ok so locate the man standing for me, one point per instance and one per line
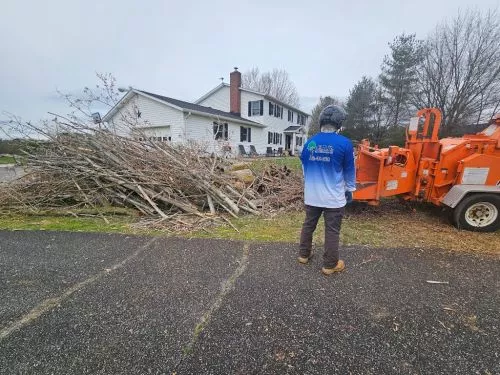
(329, 180)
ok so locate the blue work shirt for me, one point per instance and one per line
(328, 164)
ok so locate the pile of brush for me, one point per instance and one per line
(164, 182)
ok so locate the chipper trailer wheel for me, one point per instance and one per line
(478, 212)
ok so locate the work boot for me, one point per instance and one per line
(338, 268)
(304, 260)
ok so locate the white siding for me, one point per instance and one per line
(274, 124)
(168, 120)
(200, 131)
(218, 100)
(250, 97)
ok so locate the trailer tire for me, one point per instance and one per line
(478, 212)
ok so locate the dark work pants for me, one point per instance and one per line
(333, 221)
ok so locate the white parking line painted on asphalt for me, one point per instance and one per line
(50, 303)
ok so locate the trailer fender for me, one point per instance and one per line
(458, 192)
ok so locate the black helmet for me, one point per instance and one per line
(332, 115)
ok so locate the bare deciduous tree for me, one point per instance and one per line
(460, 70)
(276, 83)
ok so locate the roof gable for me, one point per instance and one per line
(211, 92)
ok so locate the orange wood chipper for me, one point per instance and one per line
(460, 173)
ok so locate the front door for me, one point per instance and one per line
(288, 142)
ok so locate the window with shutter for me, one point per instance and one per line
(221, 131)
(245, 134)
(279, 112)
(256, 108)
(271, 108)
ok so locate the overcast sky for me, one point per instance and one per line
(181, 48)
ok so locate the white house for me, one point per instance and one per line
(228, 117)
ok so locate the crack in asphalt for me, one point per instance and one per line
(227, 286)
(50, 303)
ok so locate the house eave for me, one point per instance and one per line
(232, 119)
(108, 116)
(287, 106)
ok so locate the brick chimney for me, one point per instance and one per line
(234, 92)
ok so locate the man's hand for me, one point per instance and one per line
(348, 196)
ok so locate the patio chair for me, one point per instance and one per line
(280, 151)
(269, 151)
(242, 150)
(253, 151)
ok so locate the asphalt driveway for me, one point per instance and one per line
(75, 303)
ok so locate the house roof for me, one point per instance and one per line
(294, 129)
(268, 97)
(184, 106)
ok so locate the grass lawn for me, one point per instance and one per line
(385, 226)
(390, 225)
(7, 160)
(66, 221)
(292, 162)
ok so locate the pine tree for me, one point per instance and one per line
(399, 75)
(361, 109)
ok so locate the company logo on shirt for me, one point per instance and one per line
(312, 146)
(316, 151)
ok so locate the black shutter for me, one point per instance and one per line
(281, 112)
(270, 108)
(249, 109)
(249, 132)
(261, 107)
(269, 136)
(242, 130)
(281, 139)
(298, 116)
